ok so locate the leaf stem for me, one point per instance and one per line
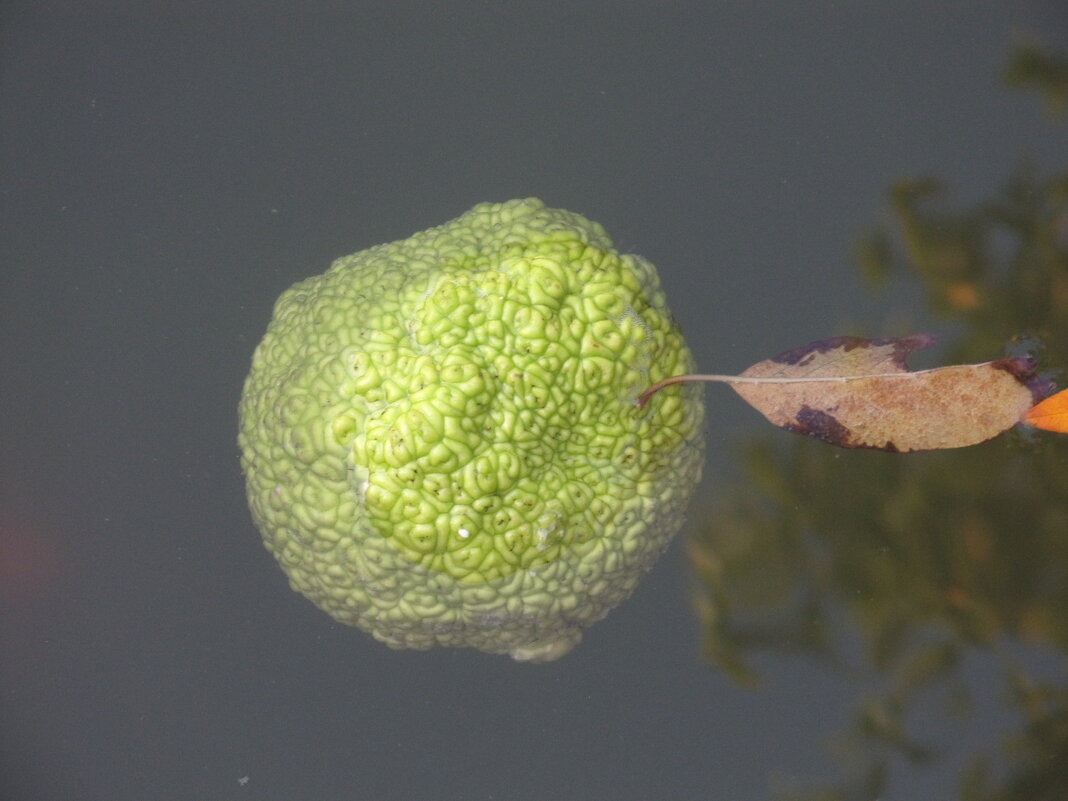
(741, 379)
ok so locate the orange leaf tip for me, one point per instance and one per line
(1051, 414)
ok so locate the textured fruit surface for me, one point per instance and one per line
(441, 439)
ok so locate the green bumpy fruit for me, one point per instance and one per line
(441, 438)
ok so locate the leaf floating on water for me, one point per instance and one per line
(1051, 414)
(859, 393)
(871, 400)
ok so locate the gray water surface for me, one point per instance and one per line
(167, 170)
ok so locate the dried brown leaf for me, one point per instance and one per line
(859, 393)
(871, 400)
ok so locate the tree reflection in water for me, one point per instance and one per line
(931, 557)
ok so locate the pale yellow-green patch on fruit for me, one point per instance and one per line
(441, 438)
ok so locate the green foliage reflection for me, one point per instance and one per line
(932, 557)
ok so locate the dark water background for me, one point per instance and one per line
(168, 169)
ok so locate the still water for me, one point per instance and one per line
(861, 625)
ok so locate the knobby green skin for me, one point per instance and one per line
(442, 441)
